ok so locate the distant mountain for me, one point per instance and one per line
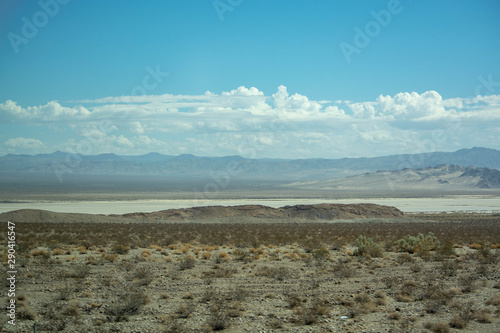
(187, 165)
(444, 177)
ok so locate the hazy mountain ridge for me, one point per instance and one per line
(190, 165)
(440, 176)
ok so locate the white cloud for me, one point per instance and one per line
(52, 111)
(243, 91)
(281, 124)
(24, 143)
(123, 141)
(136, 127)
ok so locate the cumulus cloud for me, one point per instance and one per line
(24, 143)
(403, 106)
(295, 103)
(52, 111)
(282, 124)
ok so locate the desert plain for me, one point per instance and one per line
(364, 268)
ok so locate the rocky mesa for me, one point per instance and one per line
(235, 214)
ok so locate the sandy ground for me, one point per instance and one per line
(296, 277)
(201, 288)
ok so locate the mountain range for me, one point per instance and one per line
(449, 177)
(60, 164)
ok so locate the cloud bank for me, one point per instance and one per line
(247, 122)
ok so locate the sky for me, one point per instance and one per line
(255, 78)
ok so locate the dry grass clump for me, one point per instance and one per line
(309, 315)
(219, 272)
(219, 318)
(493, 300)
(206, 255)
(223, 256)
(279, 273)
(437, 327)
(394, 315)
(120, 249)
(58, 251)
(72, 310)
(361, 304)
(129, 303)
(110, 257)
(483, 316)
(187, 262)
(23, 310)
(458, 322)
(185, 310)
(41, 253)
(155, 247)
(78, 272)
(143, 274)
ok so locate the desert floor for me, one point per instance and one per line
(259, 277)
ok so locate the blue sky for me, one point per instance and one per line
(283, 78)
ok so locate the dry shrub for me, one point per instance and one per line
(404, 258)
(391, 281)
(144, 275)
(256, 251)
(82, 249)
(304, 316)
(475, 246)
(308, 315)
(219, 272)
(238, 293)
(72, 310)
(380, 298)
(493, 300)
(437, 327)
(24, 312)
(206, 255)
(146, 253)
(110, 257)
(41, 253)
(458, 322)
(187, 262)
(58, 251)
(483, 316)
(223, 256)
(394, 315)
(275, 323)
(120, 249)
(279, 273)
(467, 282)
(79, 272)
(213, 248)
(130, 303)
(449, 268)
(185, 310)
(294, 300)
(155, 247)
(363, 304)
(344, 270)
(91, 260)
(219, 319)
